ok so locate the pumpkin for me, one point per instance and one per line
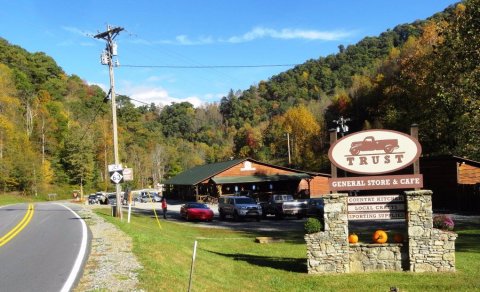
(353, 238)
(398, 238)
(380, 236)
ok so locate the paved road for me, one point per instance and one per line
(42, 247)
(265, 225)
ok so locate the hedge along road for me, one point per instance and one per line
(42, 247)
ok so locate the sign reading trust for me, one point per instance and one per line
(374, 152)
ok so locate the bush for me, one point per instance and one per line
(313, 225)
(444, 222)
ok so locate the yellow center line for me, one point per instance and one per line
(12, 233)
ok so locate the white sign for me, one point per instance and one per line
(127, 174)
(114, 167)
(375, 199)
(376, 216)
(375, 151)
(376, 207)
(116, 177)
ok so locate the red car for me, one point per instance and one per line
(196, 211)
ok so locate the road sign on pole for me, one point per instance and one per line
(127, 174)
(116, 177)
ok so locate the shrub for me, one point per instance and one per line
(313, 225)
(444, 222)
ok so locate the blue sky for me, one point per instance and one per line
(197, 33)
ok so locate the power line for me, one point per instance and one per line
(209, 66)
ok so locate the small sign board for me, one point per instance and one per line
(114, 167)
(380, 207)
(409, 181)
(127, 174)
(376, 216)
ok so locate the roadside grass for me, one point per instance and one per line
(230, 260)
(11, 198)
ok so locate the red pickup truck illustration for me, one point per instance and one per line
(370, 144)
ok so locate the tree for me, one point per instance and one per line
(77, 157)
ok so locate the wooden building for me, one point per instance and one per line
(455, 182)
(244, 176)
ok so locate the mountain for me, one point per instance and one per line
(55, 130)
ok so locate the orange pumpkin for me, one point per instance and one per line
(353, 238)
(398, 238)
(380, 236)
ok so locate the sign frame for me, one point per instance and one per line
(346, 154)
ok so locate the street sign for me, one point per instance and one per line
(114, 167)
(127, 174)
(116, 177)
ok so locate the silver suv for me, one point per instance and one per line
(239, 207)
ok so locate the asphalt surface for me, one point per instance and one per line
(46, 253)
(287, 224)
(269, 224)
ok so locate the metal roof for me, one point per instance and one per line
(200, 173)
(260, 178)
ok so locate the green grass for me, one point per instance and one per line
(7, 199)
(231, 261)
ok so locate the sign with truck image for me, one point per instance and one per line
(369, 144)
(374, 152)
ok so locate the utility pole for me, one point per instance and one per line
(342, 127)
(107, 59)
(288, 145)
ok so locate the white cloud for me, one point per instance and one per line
(262, 33)
(77, 31)
(288, 34)
(156, 95)
(184, 40)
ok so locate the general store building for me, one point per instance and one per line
(245, 176)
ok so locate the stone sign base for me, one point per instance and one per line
(426, 249)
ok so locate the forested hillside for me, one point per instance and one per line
(56, 130)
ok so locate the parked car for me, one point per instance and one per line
(92, 199)
(238, 207)
(315, 208)
(102, 197)
(282, 205)
(148, 196)
(196, 211)
(112, 198)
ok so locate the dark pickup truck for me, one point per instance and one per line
(282, 205)
(370, 144)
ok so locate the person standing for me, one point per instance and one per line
(164, 207)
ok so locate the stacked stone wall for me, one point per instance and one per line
(377, 257)
(327, 251)
(426, 250)
(430, 249)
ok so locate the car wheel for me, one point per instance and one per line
(222, 215)
(258, 218)
(235, 216)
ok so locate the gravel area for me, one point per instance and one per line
(111, 266)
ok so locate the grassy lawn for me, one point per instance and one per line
(7, 199)
(231, 261)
